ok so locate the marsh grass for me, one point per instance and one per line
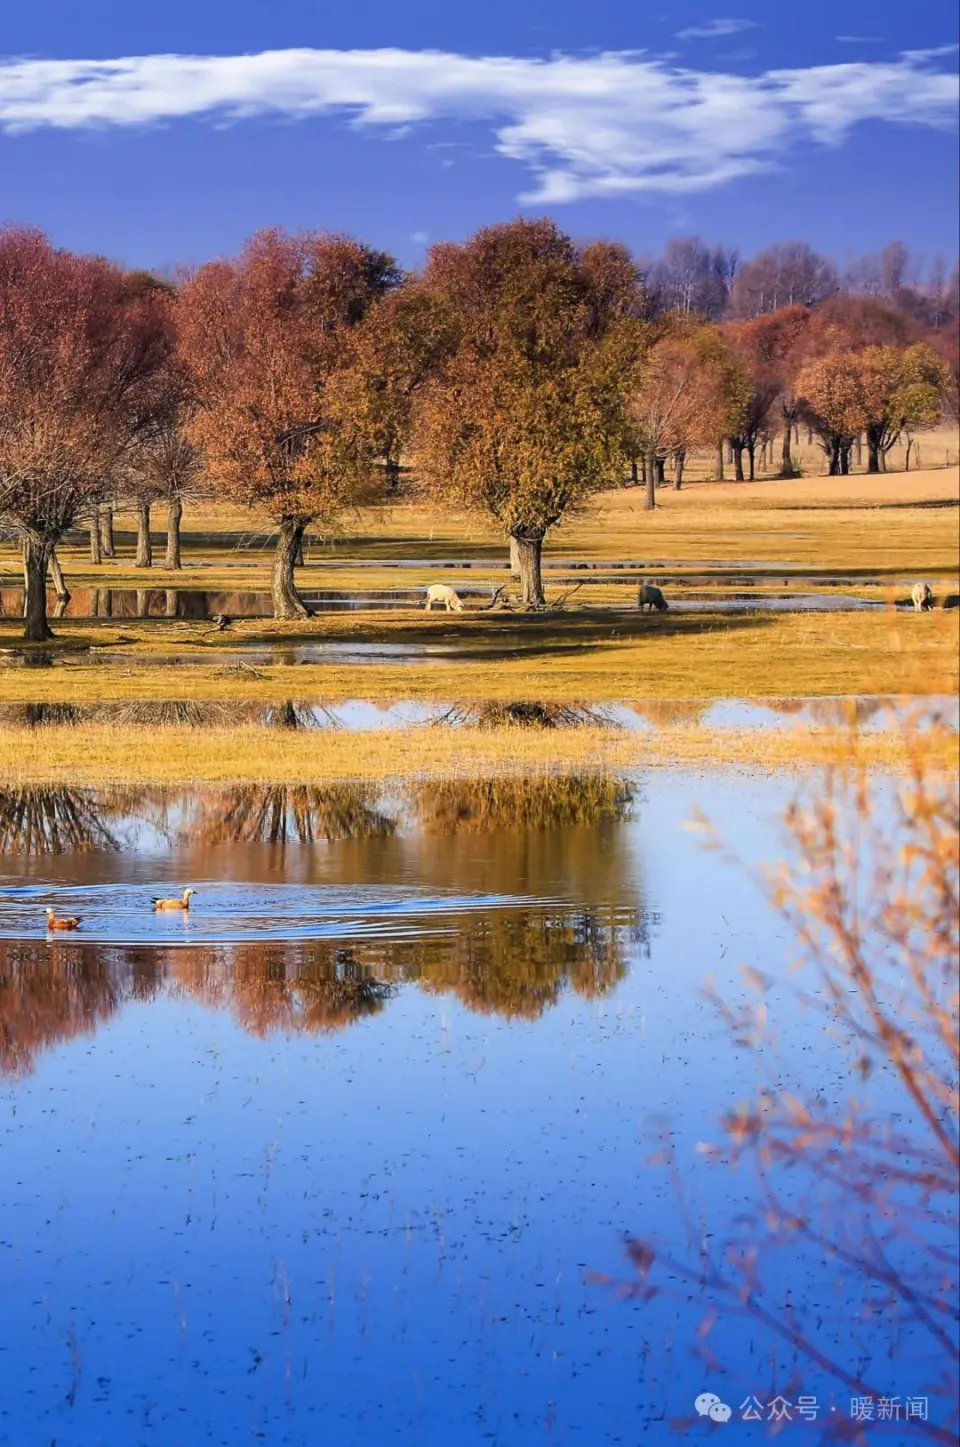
(103, 754)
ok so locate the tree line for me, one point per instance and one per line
(519, 371)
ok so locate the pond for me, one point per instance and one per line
(340, 1154)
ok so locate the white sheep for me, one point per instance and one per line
(922, 595)
(440, 593)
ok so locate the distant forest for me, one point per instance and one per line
(691, 277)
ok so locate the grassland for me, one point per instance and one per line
(876, 530)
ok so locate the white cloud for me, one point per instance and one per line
(714, 28)
(860, 39)
(615, 124)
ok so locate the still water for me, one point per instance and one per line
(340, 1155)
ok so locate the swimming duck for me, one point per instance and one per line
(69, 921)
(183, 903)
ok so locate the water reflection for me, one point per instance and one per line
(44, 820)
(451, 806)
(514, 963)
(282, 813)
(315, 905)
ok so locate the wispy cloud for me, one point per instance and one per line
(714, 28)
(860, 39)
(615, 124)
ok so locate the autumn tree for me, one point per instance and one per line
(902, 391)
(265, 340)
(518, 423)
(688, 389)
(394, 352)
(170, 468)
(762, 346)
(834, 404)
(945, 343)
(78, 358)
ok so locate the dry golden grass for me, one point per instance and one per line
(96, 754)
(593, 657)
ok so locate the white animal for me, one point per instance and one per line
(440, 593)
(922, 595)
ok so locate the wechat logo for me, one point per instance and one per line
(708, 1404)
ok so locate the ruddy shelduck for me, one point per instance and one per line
(183, 903)
(69, 921)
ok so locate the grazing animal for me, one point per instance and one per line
(183, 903)
(922, 596)
(69, 921)
(649, 596)
(440, 593)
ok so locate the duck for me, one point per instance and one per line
(183, 903)
(69, 921)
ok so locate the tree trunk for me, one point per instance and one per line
(393, 475)
(873, 450)
(634, 473)
(59, 581)
(287, 602)
(36, 559)
(786, 457)
(858, 450)
(844, 458)
(174, 514)
(106, 533)
(661, 465)
(906, 460)
(170, 603)
(752, 457)
(719, 474)
(834, 455)
(514, 558)
(143, 603)
(678, 462)
(96, 542)
(737, 451)
(529, 551)
(650, 478)
(144, 545)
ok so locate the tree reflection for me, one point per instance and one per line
(52, 993)
(663, 712)
(289, 813)
(512, 962)
(526, 714)
(519, 963)
(550, 801)
(42, 820)
(290, 988)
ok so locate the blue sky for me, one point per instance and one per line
(741, 121)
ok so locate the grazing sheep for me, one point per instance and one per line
(440, 593)
(649, 596)
(922, 596)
